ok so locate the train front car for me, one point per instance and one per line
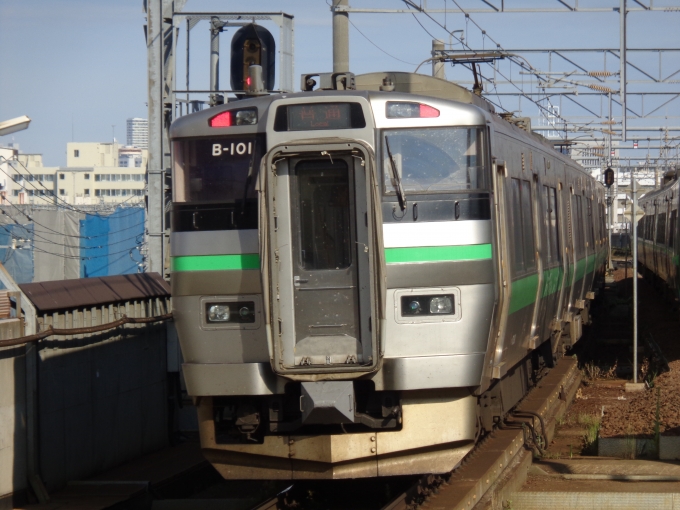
(346, 337)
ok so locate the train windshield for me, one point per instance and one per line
(435, 159)
(216, 170)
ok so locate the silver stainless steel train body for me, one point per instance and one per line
(659, 236)
(363, 280)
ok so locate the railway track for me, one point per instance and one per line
(496, 467)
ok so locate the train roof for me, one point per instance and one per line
(667, 187)
(372, 87)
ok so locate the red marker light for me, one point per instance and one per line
(408, 110)
(428, 111)
(221, 120)
(248, 81)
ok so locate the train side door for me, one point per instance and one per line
(570, 256)
(553, 271)
(321, 298)
(655, 235)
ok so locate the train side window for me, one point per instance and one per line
(528, 226)
(518, 243)
(661, 228)
(649, 230)
(640, 228)
(591, 225)
(550, 249)
(674, 226)
(553, 220)
(577, 215)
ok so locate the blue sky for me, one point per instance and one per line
(78, 67)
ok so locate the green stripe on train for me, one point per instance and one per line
(523, 292)
(216, 262)
(552, 281)
(437, 253)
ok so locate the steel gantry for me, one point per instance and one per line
(164, 20)
(640, 83)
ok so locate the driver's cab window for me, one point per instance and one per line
(434, 159)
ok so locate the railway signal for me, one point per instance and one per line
(252, 45)
(608, 177)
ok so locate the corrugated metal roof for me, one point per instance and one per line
(88, 292)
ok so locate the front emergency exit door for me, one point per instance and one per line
(321, 312)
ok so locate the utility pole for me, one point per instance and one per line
(438, 66)
(635, 279)
(160, 43)
(216, 27)
(340, 36)
(622, 56)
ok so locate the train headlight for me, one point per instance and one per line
(219, 313)
(234, 312)
(441, 305)
(427, 305)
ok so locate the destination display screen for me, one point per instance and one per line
(319, 116)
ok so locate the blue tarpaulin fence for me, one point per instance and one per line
(18, 257)
(110, 245)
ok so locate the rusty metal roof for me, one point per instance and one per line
(89, 292)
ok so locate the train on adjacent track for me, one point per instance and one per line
(658, 234)
(365, 276)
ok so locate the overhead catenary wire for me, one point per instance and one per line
(512, 58)
(374, 44)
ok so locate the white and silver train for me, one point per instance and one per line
(365, 279)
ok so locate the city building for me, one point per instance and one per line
(75, 186)
(132, 157)
(96, 174)
(138, 133)
(84, 154)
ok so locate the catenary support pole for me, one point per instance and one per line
(437, 67)
(622, 54)
(635, 280)
(340, 36)
(154, 236)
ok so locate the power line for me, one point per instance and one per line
(511, 58)
(78, 257)
(66, 205)
(366, 37)
(49, 241)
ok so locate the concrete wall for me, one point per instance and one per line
(102, 398)
(12, 417)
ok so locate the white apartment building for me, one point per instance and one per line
(92, 154)
(138, 133)
(88, 154)
(75, 186)
(132, 157)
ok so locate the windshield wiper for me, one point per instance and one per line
(397, 180)
(249, 179)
